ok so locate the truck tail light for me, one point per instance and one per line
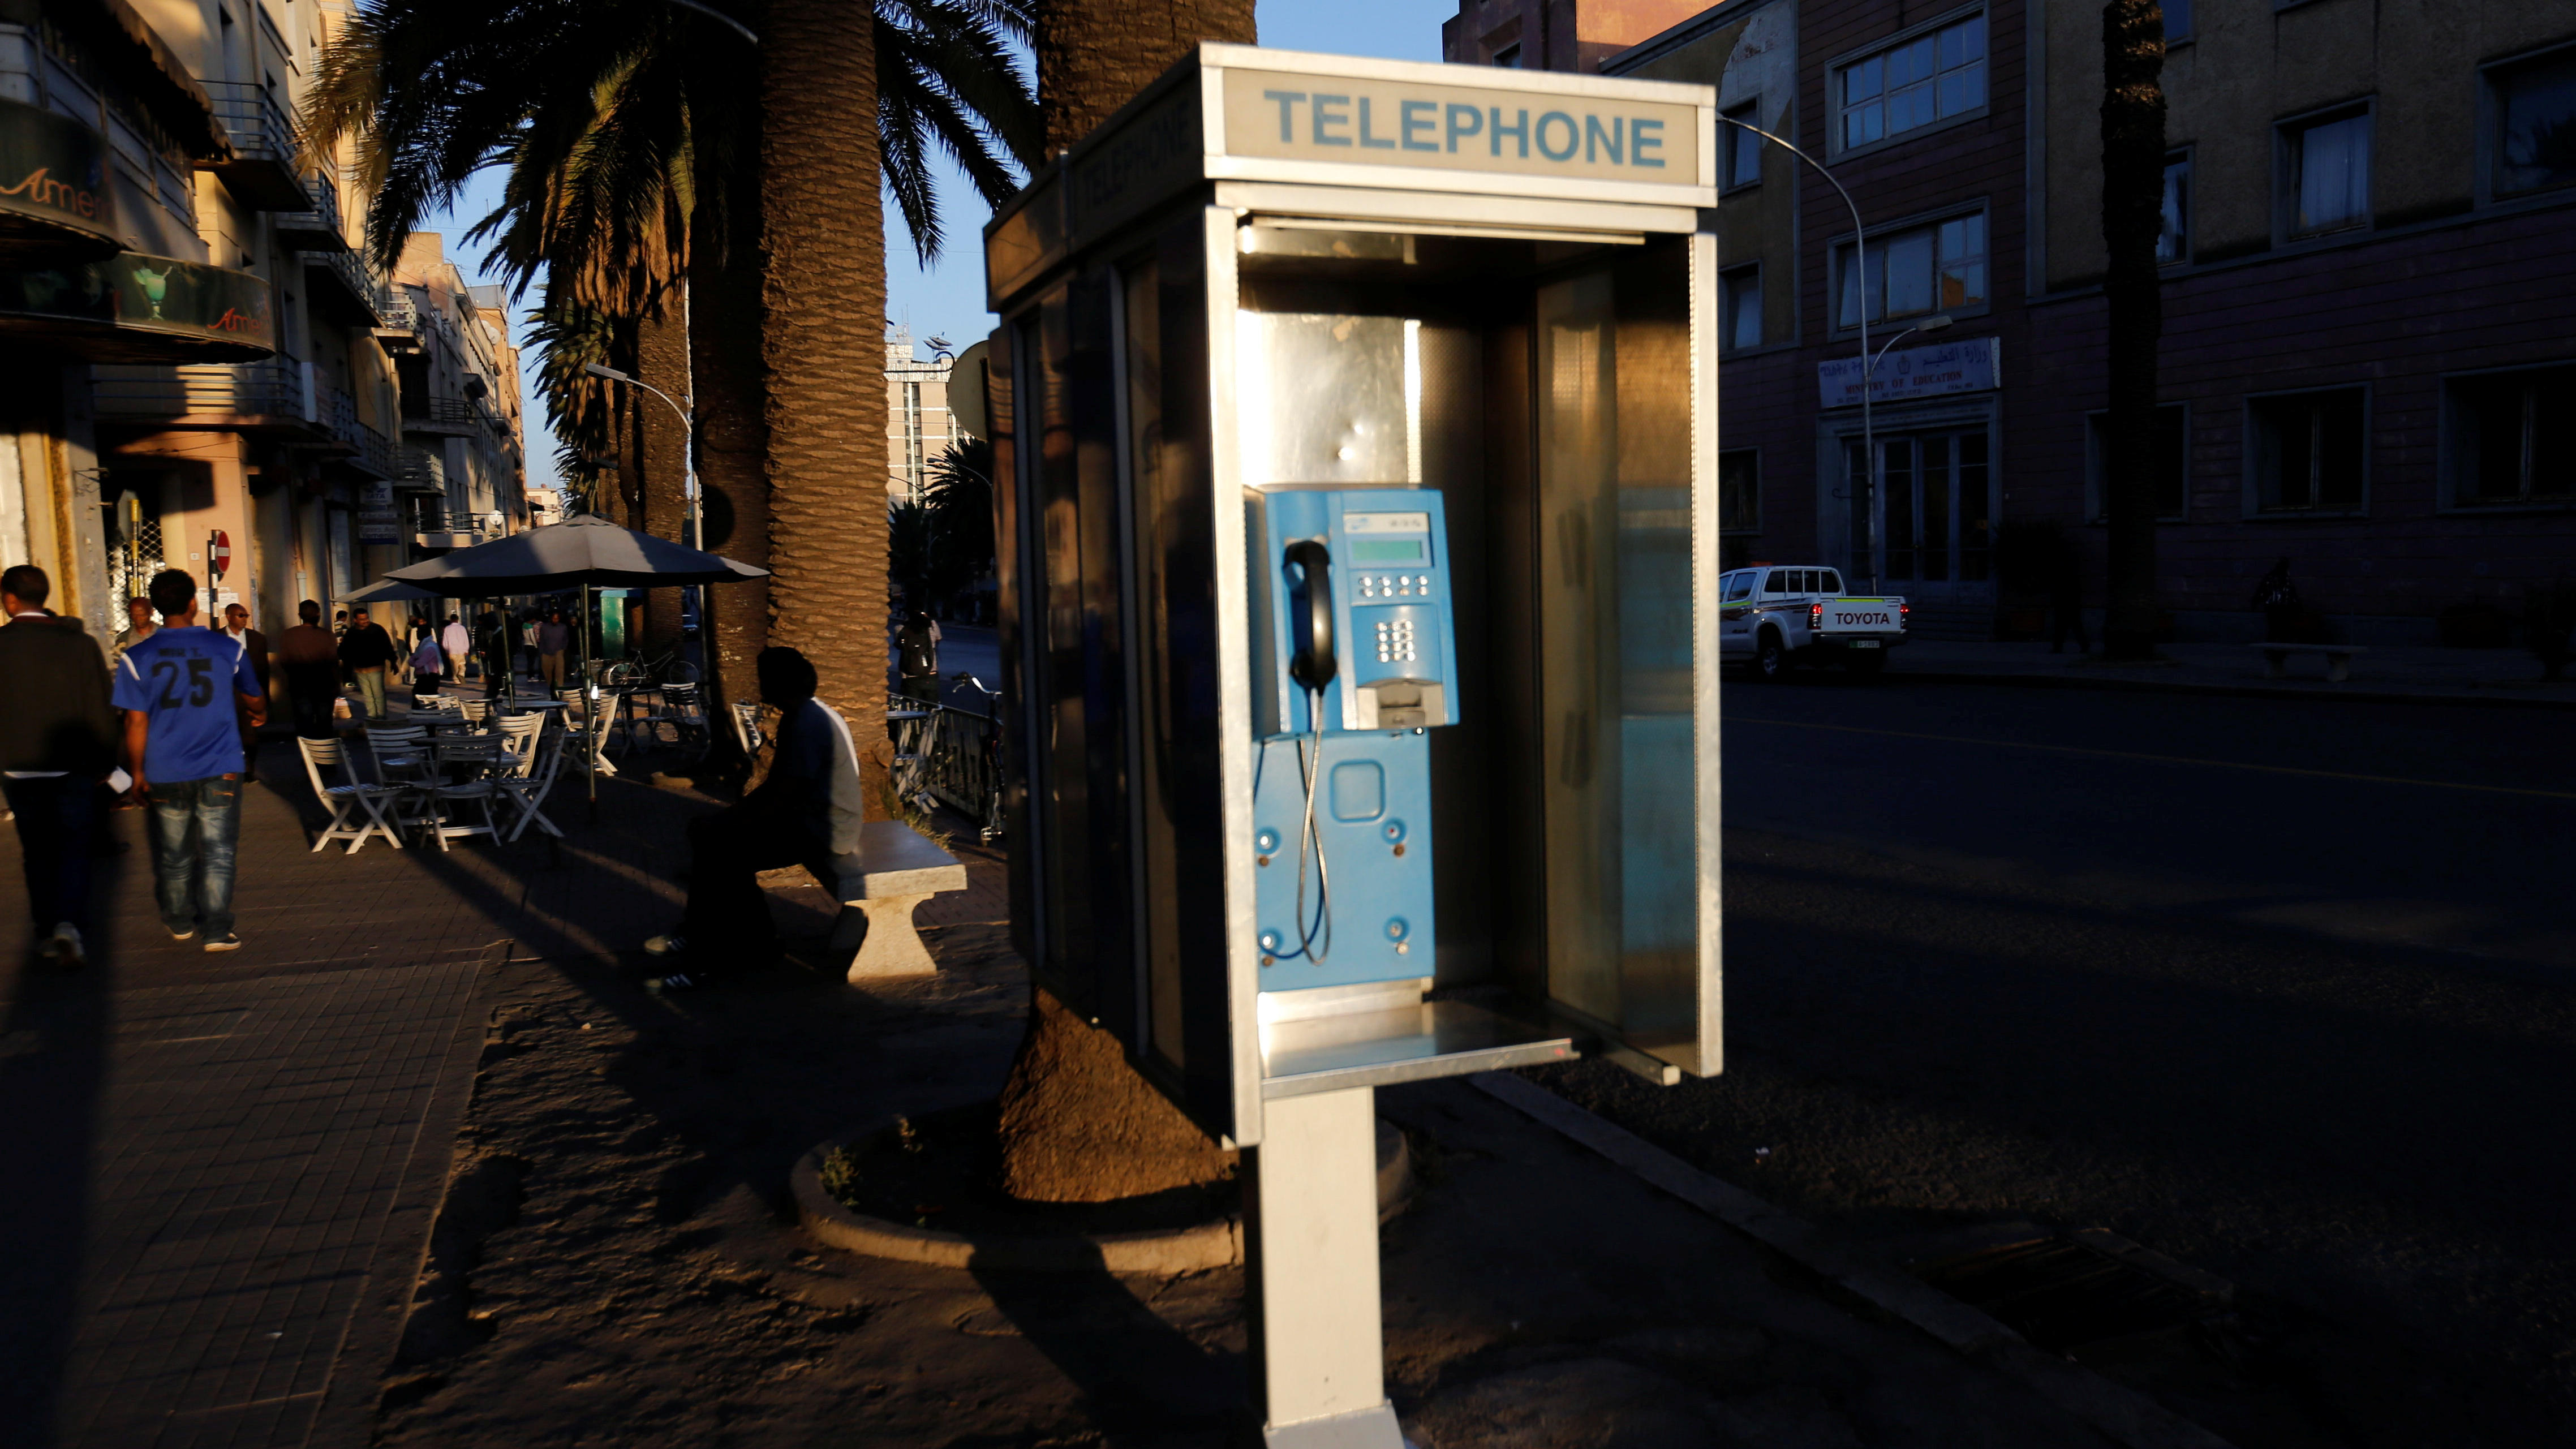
(1903, 613)
(1816, 617)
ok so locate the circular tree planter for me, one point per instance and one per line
(1048, 1248)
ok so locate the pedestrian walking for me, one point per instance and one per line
(57, 742)
(368, 651)
(917, 656)
(811, 804)
(553, 638)
(184, 751)
(311, 659)
(138, 627)
(255, 644)
(496, 655)
(427, 662)
(459, 648)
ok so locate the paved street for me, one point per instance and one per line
(2280, 988)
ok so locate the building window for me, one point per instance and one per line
(2177, 21)
(1743, 291)
(1509, 57)
(2173, 239)
(1743, 147)
(2325, 174)
(2173, 462)
(2310, 450)
(1936, 268)
(1739, 491)
(2513, 437)
(1914, 83)
(2535, 121)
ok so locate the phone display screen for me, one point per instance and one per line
(1386, 550)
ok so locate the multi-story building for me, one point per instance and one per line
(919, 426)
(202, 366)
(2369, 289)
(1574, 35)
(461, 474)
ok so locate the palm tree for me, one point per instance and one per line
(626, 130)
(2133, 189)
(1078, 1123)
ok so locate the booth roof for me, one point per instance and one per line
(584, 549)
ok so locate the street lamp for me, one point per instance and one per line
(1860, 265)
(689, 441)
(1937, 322)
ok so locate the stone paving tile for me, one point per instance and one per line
(224, 1135)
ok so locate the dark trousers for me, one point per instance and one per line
(727, 920)
(423, 682)
(313, 688)
(57, 819)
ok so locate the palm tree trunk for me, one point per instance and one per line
(733, 444)
(822, 341)
(1078, 1123)
(662, 361)
(1094, 58)
(2133, 169)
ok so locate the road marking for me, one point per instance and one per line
(2162, 759)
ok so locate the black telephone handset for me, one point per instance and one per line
(1314, 665)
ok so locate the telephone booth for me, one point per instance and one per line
(1357, 512)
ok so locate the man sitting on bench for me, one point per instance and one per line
(811, 803)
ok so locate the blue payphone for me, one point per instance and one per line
(1354, 661)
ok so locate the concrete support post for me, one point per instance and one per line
(1311, 1251)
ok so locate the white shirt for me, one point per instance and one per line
(454, 641)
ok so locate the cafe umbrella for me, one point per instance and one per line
(586, 552)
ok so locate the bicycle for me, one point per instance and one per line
(990, 825)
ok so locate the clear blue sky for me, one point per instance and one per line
(948, 298)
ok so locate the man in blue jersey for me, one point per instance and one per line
(179, 690)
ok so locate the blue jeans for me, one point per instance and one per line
(193, 825)
(56, 820)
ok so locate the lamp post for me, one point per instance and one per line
(1937, 322)
(1860, 265)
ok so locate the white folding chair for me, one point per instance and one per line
(352, 794)
(477, 753)
(519, 734)
(527, 793)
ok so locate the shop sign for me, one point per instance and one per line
(379, 525)
(54, 169)
(1975, 364)
(151, 294)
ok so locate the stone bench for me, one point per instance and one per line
(893, 870)
(2338, 658)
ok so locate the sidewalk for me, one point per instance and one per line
(2465, 676)
(424, 1165)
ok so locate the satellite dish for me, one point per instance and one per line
(967, 402)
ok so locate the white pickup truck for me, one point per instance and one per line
(1775, 617)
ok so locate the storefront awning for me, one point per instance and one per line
(54, 203)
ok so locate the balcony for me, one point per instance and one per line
(420, 470)
(342, 286)
(434, 527)
(55, 210)
(398, 323)
(454, 417)
(253, 397)
(362, 451)
(316, 229)
(262, 169)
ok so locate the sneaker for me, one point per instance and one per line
(225, 942)
(672, 944)
(181, 933)
(63, 947)
(676, 981)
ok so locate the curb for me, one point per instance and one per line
(2237, 691)
(2125, 1415)
(1217, 1244)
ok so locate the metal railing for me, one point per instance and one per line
(420, 467)
(960, 765)
(260, 128)
(323, 218)
(273, 388)
(340, 416)
(428, 519)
